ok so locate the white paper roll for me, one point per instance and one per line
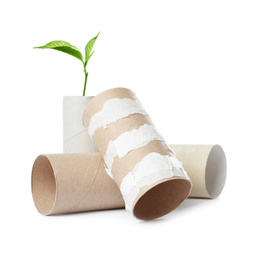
(75, 135)
(206, 166)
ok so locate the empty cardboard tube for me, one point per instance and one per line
(151, 179)
(206, 166)
(65, 183)
(75, 136)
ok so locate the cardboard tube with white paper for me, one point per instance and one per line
(151, 179)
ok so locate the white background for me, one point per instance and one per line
(189, 62)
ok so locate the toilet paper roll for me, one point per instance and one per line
(206, 166)
(64, 183)
(151, 180)
(75, 136)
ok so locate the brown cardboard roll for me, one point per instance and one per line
(206, 166)
(151, 179)
(64, 183)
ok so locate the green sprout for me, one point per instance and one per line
(74, 51)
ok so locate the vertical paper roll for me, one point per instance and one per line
(64, 183)
(206, 166)
(75, 136)
(152, 181)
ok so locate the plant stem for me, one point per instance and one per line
(85, 82)
(86, 77)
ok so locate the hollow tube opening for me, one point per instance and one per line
(43, 185)
(216, 171)
(162, 199)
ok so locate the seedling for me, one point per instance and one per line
(74, 51)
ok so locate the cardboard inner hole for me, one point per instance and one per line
(216, 171)
(162, 199)
(43, 185)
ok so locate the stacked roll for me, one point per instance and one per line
(141, 165)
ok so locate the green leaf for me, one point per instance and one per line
(63, 47)
(88, 49)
